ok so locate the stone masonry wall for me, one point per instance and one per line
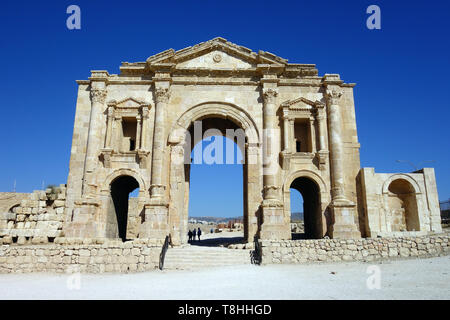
(37, 219)
(81, 255)
(333, 250)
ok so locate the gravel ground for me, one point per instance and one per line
(401, 279)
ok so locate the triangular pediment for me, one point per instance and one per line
(217, 53)
(127, 103)
(301, 103)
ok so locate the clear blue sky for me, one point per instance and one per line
(402, 73)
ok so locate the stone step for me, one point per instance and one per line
(191, 257)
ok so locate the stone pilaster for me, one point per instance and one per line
(292, 135)
(109, 127)
(156, 225)
(312, 133)
(159, 141)
(273, 224)
(336, 147)
(286, 132)
(344, 211)
(138, 132)
(94, 142)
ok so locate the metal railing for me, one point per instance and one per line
(164, 249)
(256, 254)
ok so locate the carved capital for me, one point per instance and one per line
(162, 95)
(145, 112)
(110, 112)
(98, 95)
(270, 95)
(333, 97)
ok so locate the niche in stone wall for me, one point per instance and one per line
(403, 206)
(129, 126)
(302, 136)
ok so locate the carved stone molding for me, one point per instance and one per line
(98, 95)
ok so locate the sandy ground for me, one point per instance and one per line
(402, 279)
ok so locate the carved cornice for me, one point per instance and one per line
(98, 95)
(162, 95)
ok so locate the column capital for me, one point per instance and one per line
(110, 112)
(333, 96)
(98, 95)
(270, 95)
(162, 95)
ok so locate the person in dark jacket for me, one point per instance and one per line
(190, 235)
(199, 233)
(194, 233)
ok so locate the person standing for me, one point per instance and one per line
(194, 233)
(190, 235)
(199, 233)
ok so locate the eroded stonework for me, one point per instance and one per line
(300, 132)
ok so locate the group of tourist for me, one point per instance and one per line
(192, 234)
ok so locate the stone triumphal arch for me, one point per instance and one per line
(136, 129)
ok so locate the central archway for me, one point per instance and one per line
(216, 118)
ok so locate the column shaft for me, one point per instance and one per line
(336, 147)
(162, 98)
(98, 96)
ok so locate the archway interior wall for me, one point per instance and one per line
(379, 202)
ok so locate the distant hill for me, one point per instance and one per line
(294, 216)
(216, 219)
(297, 216)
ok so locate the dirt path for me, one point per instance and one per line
(407, 279)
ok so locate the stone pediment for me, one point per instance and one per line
(217, 53)
(127, 103)
(219, 56)
(301, 104)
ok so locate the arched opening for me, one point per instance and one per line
(217, 191)
(403, 206)
(121, 189)
(312, 215)
(14, 208)
(297, 220)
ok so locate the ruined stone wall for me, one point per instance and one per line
(11, 199)
(333, 250)
(78, 255)
(37, 219)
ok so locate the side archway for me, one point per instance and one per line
(314, 191)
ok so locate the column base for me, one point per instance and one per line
(274, 226)
(344, 226)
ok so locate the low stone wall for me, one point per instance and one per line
(37, 218)
(333, 250)
(74, 256)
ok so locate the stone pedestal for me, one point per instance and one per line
(273, 226)
(344, 213)
(156, 225)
